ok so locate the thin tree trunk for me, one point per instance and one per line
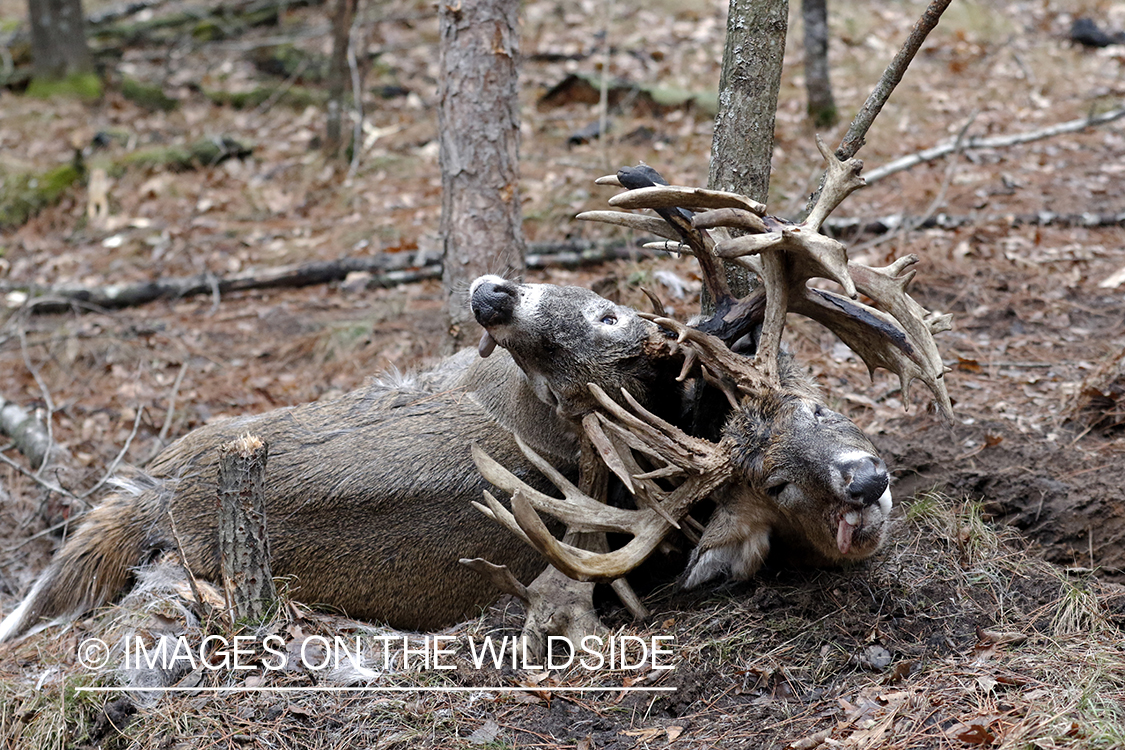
(748, 89)
(338, 74)
(58, 38)
(478, 123)
(243, 541)
(821, 105)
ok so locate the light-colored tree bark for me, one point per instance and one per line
(243, 536)
(748, 89)
(478, 123)
(58, 38)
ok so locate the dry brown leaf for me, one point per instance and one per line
(977, 734)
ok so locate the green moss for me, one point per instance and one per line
(24, 195)
(205, 152)
(146, 95)
(207, 30)
(823, 117)
(85, 86)
(288, 61)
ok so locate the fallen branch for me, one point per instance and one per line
(997, 141)
(387, 269)
(28, 434)
(891, 223)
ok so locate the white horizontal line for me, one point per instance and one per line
(374, 689)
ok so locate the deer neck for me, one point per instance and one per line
(499, 386)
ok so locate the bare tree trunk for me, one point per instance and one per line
(821, 106)
(478, 122)
(58, 38)
(338, 74)
(743, 142)
(243, 541)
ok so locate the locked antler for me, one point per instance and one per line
(895, 332)
(700, 464)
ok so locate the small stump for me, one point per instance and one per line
(243, 542)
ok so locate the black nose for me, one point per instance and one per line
(866, 480)
(493, 304)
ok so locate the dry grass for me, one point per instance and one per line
(954, 636)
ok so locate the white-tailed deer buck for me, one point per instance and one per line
(783, 469)
(368, 497)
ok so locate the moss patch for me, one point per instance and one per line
(147, 95)
(24, 195)
(84, 86)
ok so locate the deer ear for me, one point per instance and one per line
(733, 546)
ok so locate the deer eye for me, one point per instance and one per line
(774, 490)
(609, 319)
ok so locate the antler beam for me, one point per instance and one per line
(706, 465)
(896, 333)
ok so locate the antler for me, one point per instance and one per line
(704, 465)
(896, 333)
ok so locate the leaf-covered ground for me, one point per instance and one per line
(1039, 328)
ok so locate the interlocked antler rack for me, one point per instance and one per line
(893, 332)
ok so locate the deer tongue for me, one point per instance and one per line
(487, 345)
(849, 522)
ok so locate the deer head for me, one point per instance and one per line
(784, 466)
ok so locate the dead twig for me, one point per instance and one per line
(37, 479)
(117, 459)
(357, 101)
(996, 141)
(910, 225)
(856, 136)
(167, 427)
(199, 605)
(21, 331)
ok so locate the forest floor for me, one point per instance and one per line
(1038, 378)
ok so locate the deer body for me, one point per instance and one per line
(368, 497)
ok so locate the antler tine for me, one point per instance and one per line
(736, 218)
(647, 189)
(897, 334)
(708, 465)
(579, 511)
(712, 353)
(841, 179)
(691, 198)
(650, 224)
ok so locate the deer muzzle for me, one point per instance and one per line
(493, 301)
(868, 497)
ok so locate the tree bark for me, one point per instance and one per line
(748, 89)
(243, 541)
(338, 74)
(478, 125)
(58, 38)
(821, 104)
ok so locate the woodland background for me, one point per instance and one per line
(1024, 245)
